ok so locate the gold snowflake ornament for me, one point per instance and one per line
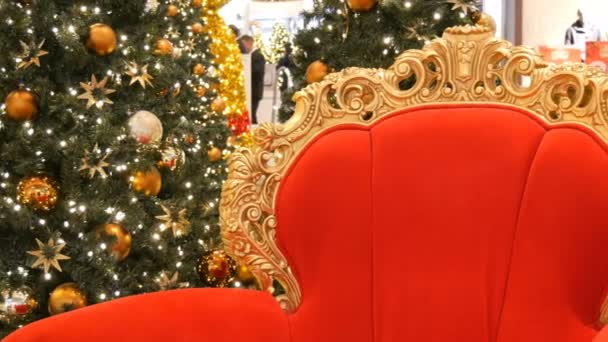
(189, 45)
(177, 222)
(96, 93)
(463, 5)
(48, 255)
(413, 32)
(139, 74)
(93, 164)
(30, 55)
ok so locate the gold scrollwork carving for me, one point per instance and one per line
(467, 65)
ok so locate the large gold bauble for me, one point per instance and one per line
(121, 247)
(218, 105)
(216, 268)
(316, 71)
(101, 39)
(148, 182)
(197, 28)
(198, 69)
(214, 154)
(201, 90)
(66, 297)
(21, 105)
(361, 5)
(163, 47)
(16, 304)
(38, 192)
(172, 10)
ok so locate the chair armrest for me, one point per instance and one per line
(219, 315)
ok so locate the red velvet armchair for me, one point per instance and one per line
(467, 204)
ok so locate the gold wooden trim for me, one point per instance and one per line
(467, 65)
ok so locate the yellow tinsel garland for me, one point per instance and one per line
(228, 59)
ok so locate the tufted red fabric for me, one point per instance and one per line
(453, 223)
(462, 222)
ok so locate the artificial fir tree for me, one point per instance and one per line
(110, 152)
(260, 42)
(366, 33)
(278, 39)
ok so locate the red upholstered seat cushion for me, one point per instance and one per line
(448, 223)
(218, 315)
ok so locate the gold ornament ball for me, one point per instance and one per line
(66, 297)
(122, 241)
(197, 3)
(218, 105)
(215, 4)
(197, 28)
(21, 105)
(214, 154)
(38, 192)
(484, 19)
(172, 11)
(244, 275)
(163, 47)
(361, 5)
(198, 69)
(316, 71)
(216, 268)
(148, 182)
(201, 91)
(189, 139)
(16, 304)
(101, 40)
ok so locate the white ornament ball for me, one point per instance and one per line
(146, 128)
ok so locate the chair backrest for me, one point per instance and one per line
(459, 195)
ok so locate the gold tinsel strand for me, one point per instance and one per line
(228, 59)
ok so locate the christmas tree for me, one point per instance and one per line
(111, 153)
(366, 33)
(278, 39)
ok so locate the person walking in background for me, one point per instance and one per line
(258, 65)
(237, 34)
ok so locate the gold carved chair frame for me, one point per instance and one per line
(467, 65)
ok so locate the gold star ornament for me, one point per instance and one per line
(189, 45)
(48, 255)
(30, 55)
(96, 93)
(166, 283)
(139, 74)
(176, 221)
(94, 162)
(464, 5)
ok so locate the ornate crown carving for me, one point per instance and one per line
(467, 65)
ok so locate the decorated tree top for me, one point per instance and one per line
(366, 33)
(278, 39)
(111, 152)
